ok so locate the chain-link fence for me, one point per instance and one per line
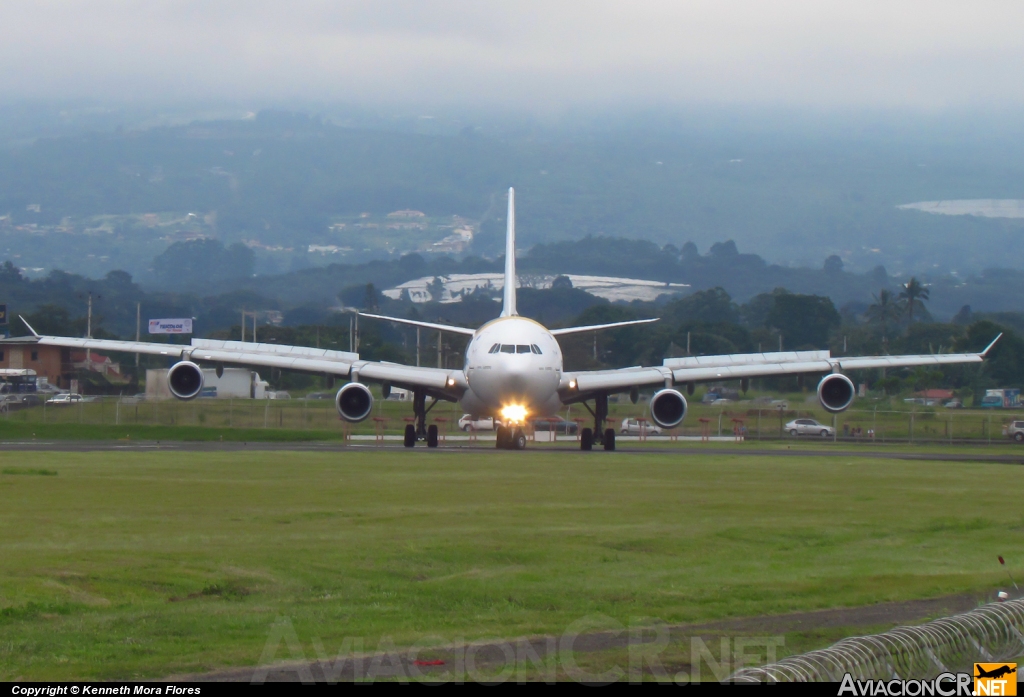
(987, 634)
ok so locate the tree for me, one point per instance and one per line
(883, 311)
(561, 282)
(436, 289)
(833, 264)
(804, 320)
(913, 295)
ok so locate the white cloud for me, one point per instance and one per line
(535, 54)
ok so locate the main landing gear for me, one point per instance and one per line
(511, 438)
(599, 435)
(420, 431)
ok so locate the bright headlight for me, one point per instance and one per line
(514, 413)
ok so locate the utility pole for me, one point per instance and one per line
(243, 326)
(417, 347)
(138, 329)
(351, 336)
(355, 316)
(780, 342)
(687, 344)
(439, 364)
(595, 346)
(254, 326)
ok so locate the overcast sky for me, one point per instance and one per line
(537, 54)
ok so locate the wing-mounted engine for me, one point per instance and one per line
(836, 392)
(668, 408)
(185, 380)
(354, 402)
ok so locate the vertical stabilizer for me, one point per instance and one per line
(508, 308)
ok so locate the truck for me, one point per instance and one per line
(1003, 398)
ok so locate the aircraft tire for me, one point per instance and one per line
(586, 439)
(609, 439)
(501, 441)
(519, 440)
(432, 436)
(410, 436)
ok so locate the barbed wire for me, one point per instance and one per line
(992, 633)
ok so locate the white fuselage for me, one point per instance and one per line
(525, 369)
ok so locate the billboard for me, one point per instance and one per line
(170, 326)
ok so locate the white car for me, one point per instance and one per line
(66, 398)
(468, 423)
(631, 427)
(808, 427)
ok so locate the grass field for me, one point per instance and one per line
(144, 565)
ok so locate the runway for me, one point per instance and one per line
(468, 448)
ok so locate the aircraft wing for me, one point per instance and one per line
(749, 365)
(301, 358)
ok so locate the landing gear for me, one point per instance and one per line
(420, 430)
(510, 439)
(599, 435)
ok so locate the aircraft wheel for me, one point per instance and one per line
(501, 442)
(587, 439)
(609, 439)
(410, 436)
(519, 440)
(432, 436)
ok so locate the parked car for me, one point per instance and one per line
(556, 424)
(468, 423)
(809, 427)
(65, 399)
(320, 395)
(1015, 430)
(954, 404)
(631, 427)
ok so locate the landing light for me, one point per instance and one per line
(572, 384)
(451, 382)
(514, 413)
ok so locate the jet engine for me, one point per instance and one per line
(185, 380)
(668, 407)
(836, 392)
(354, 402)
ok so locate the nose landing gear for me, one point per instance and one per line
(510, 438)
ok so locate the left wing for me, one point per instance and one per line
(437, 382)
(748, 365)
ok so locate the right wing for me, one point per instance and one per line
(676, 371)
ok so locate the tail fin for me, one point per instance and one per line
(508, 308)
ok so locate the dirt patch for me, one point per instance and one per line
(422, 664)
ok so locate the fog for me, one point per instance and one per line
(541, 56)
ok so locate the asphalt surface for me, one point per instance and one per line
(479, 448)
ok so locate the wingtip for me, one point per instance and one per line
(34, 332)
(989, 347)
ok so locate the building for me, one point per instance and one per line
(51, 362)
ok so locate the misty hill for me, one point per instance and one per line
(279, 182)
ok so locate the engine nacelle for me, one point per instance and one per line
(185, 380)
(836, 392)
(354, 402)
(668, 408)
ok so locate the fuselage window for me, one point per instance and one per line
(523, 348)
(508, 348)
(535, 348)
(494, 349)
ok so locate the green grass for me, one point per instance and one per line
(16, 431)
(143, 565)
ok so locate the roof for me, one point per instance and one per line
(936, 394)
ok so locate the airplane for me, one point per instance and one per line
(513, 370)
(995, 672)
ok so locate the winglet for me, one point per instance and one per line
(35, 333)
(989, 347)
